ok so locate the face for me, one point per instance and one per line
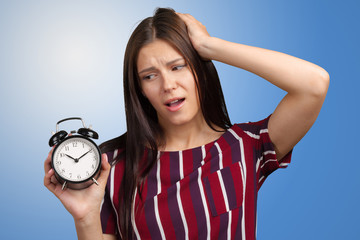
(168, 83)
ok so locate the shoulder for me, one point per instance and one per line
(252, 129)
(114, 149)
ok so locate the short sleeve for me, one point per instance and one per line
(107, 215)
(265, 155)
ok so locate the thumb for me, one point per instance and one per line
(105, 170)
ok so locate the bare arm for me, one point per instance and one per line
(305, 83)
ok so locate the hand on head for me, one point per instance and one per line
(198, 34)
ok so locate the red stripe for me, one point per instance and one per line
(217, 193)
(110, 225)
(165, 171)
(187, 162)
(234, 221)
(118, 176)
(163, 206)
(165, 217)
(140, 219)
(251, 192)
(188, 207)
(238, 184)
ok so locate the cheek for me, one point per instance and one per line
(151, 93)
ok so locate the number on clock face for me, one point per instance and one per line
(76, 159)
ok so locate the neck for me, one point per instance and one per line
(189, 135)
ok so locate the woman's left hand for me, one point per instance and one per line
(198, 35)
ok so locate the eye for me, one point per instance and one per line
(148, 77)
(178, 67)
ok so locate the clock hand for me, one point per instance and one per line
(71, 157)
(83, 155)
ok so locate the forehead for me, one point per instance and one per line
(155, 53)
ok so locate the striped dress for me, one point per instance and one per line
(208, 192)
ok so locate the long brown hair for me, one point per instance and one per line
(141, 118)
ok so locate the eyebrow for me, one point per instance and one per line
(167, 64)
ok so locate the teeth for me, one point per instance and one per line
(174, 101)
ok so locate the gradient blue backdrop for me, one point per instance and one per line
(64, 58)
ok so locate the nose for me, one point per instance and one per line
(169, 82)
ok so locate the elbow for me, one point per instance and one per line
(320, 83)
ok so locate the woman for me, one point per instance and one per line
(183, 170)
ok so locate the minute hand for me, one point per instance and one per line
(83, 154)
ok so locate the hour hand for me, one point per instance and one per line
(72, 158)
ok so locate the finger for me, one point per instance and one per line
(187, 18)
(47, 165)
(48, 182)
(105, 170)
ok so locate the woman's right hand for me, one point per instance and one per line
(198, 35)
(81, 204)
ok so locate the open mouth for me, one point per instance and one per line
(175, 103)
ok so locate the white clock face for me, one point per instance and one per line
(76, 159)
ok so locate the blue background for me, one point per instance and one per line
(64, 58)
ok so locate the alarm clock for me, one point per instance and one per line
(76, 159)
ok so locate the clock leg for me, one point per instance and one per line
(95, 181)
(64, 186)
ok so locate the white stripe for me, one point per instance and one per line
(102, 203)
(243, 170)
(133, 217)
(270, 160)
(221, 165)
(203, 154)
(256, 225)
(261, 179)
(181, 210)
(156, 207)
(265, 130)
(158, 174)
(252, 135)
(269, 152)
(112, 172)
(229, 226)
(242, 165)
(258, 163)
(158, 217)
(261, 158)
(223, 190)
(206, 208)
(283, 164)
(244, 188)
(115, 153)
(181, 170)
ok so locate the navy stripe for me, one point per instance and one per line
(174, 167)
(224, 221)
(198, 206)
(197, 158)
(152, 183)
(208, 193)
(229, 187)
(105, 211)
(238, 232)
(235, 147)
(151, 219)
(229, 138)
(175, 213)
(214, 163)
